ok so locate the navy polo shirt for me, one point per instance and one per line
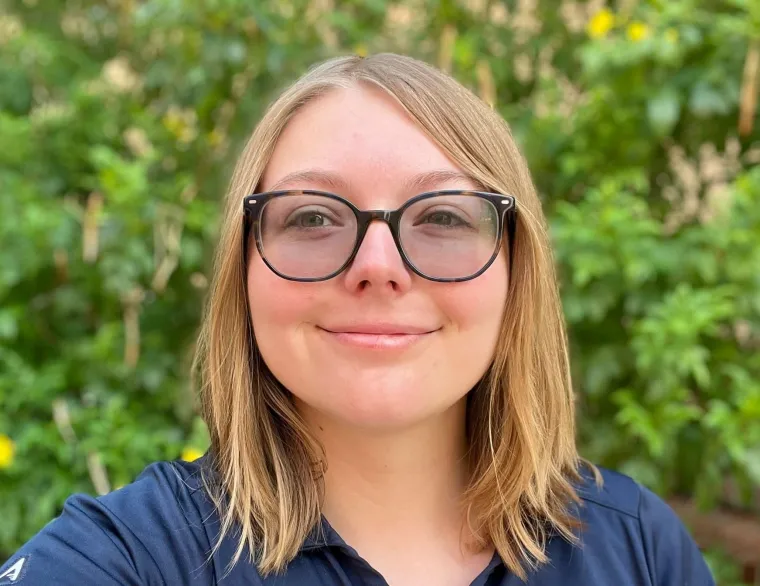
(160, 529)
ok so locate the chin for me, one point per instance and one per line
(381, 418)
(378, 403)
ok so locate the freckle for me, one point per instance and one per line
(321, 428)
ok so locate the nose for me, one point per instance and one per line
(378, 265)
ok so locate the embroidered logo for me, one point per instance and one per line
(14, 572)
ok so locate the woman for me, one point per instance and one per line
(384, 374)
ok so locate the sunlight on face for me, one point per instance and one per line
(377, 346)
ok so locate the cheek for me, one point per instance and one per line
(476, 310)
(280, 311)
(274, 299)
(476, 307)
(277, 306)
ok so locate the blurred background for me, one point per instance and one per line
(119, 124)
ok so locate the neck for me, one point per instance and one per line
(389, 484)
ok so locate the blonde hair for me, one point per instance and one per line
(268, 468)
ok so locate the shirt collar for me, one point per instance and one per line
(322, 535)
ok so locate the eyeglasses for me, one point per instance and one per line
(444, 236)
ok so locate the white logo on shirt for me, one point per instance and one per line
(13, 573)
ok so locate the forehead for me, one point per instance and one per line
(359, 141)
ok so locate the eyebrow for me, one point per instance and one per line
(425, 181)
(324, 178)
(432, 179)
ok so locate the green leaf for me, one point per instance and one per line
(663, 110)
(705, 101)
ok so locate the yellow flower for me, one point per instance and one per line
(215, 138)
(671, 35)
(600, 24)
(181, 123)
(190, 454)
(174, 123)
(361, 50)
(637, 31)
(7, 449)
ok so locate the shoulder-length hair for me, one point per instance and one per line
(267, 480)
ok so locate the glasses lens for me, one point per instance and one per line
(450, 236)
(307, 236)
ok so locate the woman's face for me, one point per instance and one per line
(377, 346)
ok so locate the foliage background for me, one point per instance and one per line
(119, 123)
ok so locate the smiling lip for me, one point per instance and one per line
(378, 336)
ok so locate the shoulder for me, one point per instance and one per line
(154, 530)
(163, 515)
(621, 513)
(618, 495)
(163, 492)
(615, 492)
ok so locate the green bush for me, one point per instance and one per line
(119, 123)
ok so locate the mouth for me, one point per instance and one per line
(378, 336)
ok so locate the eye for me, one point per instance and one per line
(309, 219)
(441, 218)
